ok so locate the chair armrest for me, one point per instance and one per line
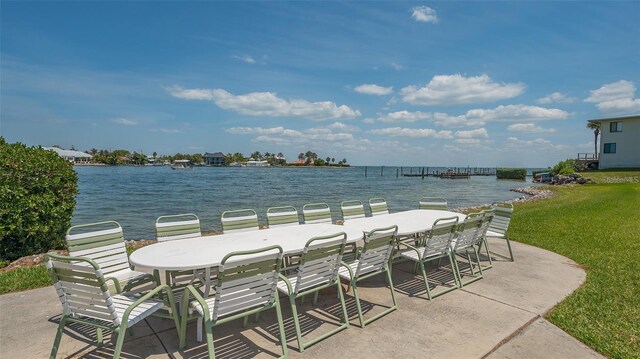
(144, 298)
(348, 268)
(287, 282)
(116, 284)
(412, 248)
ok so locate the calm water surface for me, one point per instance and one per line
(136, 196)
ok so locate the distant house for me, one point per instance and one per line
(214, 159)
(619, 142)
(75, 157)
(255, 163)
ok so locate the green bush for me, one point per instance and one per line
(37, 199)
(511, 173)
(566, 167)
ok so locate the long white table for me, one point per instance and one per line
(208, 251)
(408, 222)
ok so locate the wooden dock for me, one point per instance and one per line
(450, 173)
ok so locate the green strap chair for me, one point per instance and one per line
(282, 216)
(246, 285)
(316, 213)
(438, 203)
(178, 227)
(378, 206)
(487, 219)
(86, 299)
(374, 259)
(319, 266)
(467, 240)
(241, 220)
(436, 246)
(103, 243)
(352, 210)
(500, 224)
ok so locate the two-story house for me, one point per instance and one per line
(619, 142)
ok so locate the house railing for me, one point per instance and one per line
(587, 156)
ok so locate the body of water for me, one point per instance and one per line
(136, 196)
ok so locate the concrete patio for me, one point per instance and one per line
(499, 316)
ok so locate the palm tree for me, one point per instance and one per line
(333, 160)
(595, 126)
(344, 161)
(326, 160)
(155, 154)
(301, 156)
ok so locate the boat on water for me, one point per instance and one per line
(181, 165)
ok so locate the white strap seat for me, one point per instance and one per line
(413, 255)
(282, 285)
(344, 272)
(491, 233)
(122, 301)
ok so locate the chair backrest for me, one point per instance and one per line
(179, 226)
(378, 246)
(468, 231)
(440, 237)
(247, 280)
(352, 210)
(316, 213)
(282, 216)
(487, 219)
(241, 220)
(81, 288)
(102, 242)
(433, 203)
(378, 206)
(320, 261)
(502, 212)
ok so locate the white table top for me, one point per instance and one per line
(408, 222)
(208, 251)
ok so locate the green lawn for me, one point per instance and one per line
(614, 176)
(598, 226)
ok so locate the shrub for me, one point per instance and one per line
(565, 167)
(511, 173)
(37, 199)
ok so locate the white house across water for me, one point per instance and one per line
(619, 142)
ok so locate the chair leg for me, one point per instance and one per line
(344, 305)
(283, 338)
(56, 341)
(296, 322)
(99, 338)
(121, 333)
(393, 295)
(453, 269)
(509, 246)
(426, 281)
(315, 297)
(358, 307)
(208, 329)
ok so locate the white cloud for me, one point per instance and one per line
(343, 127)
(293, 136)
(424, 14)
(616, 97)
(412, 132)
(478, 132)
(372, 89)
(457, 89)
(540, 144)
(368, 121)
(165, 130)
(125, 121)
(267, 104)
(468, 141)
(517, 112)
(556, 97)
(529, 128)
(246, 58)
(478, 117)
(397, 66)
(404, 116)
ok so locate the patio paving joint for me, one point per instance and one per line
(499, 301)
(512, 335)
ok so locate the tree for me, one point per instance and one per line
(344, 161)
(326, 160)
(595, 126)
(256, 155)
(155, 154)
(333, 160)
(37, 199)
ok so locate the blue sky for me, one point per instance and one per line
(394, 83)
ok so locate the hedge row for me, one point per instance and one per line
(511, 173)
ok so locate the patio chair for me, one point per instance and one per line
(316, 213)
(103, 243)
(467, 239)
(318, 270)
(487, 219)
(352, 210)
(500, 224)
(378, 206)
(372, 260)
(282, 216)
(241, 220)
(438, 203)
(86, 299)
(177, 227)
(246, 285)
(435, 246)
